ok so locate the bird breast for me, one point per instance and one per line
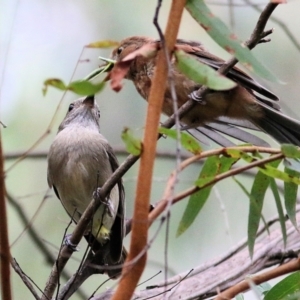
(81, 165)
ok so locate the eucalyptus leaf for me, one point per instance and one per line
(286, 288)
(213, 166)
(290, 195)
(186, 140)
(133, 145)
(80, 87)
(225, 38)
(201, 73)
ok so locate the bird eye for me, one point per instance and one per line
(119, 51)
(98, 113)
(71, 106)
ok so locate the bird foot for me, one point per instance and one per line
(69, 244)
(194, 96)
(107, 202)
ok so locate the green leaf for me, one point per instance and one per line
(254, 216)
(290, 196)
(201, 182)
(80, 87)
(57, 83)
(292, 163)
(286, 288)
(198, 199)
(279, 209)
(201, 73)
(222, 35)
(132, 144)
(213, 165)
(186, 140)
(273, 172)
(103, 44)
(290, 151)
(102, 69)
(85, 88)
(258, 190)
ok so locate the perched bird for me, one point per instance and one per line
(248, 105)
(80, 161)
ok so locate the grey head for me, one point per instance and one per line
(82, 112)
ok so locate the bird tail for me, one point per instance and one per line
(114, 269)
(105, 258)
(281, 127)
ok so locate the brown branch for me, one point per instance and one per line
(24, 278)
(231, 268)
(49, 257)
(243, 286)
(4, 243)
(156, 97)
(256, 6)
(160, 207)
(117, 150)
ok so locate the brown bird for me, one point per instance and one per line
(248, 105)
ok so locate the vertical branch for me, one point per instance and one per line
(140, 224)
(4, 244)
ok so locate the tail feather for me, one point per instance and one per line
(282, 128)
(104, 257)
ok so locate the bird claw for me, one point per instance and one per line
(108, 203)
(109, 207)
(69, 244)
(194, 96)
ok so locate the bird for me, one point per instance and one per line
(249, 105)
(80, 161)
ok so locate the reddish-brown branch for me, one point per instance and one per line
(139, 229)
(243, 286)
(162, 204)
(4, 244)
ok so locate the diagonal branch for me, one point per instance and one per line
(156, 97)
(230, 269)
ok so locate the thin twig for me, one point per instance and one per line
(24, 278)
(283, 25)
(166, 154)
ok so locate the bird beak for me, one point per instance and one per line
(104, 68)
(89, 101)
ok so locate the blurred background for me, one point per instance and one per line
(45, 39)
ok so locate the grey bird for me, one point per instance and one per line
(80, 161)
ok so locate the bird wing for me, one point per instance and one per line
(235, 73)
(118, 228)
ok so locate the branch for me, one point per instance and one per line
(160, 207)
(49, 257)
(117, 151)
(24, 278)
(256, 6)
(142, 200)
(230, 269)
(4, 243)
